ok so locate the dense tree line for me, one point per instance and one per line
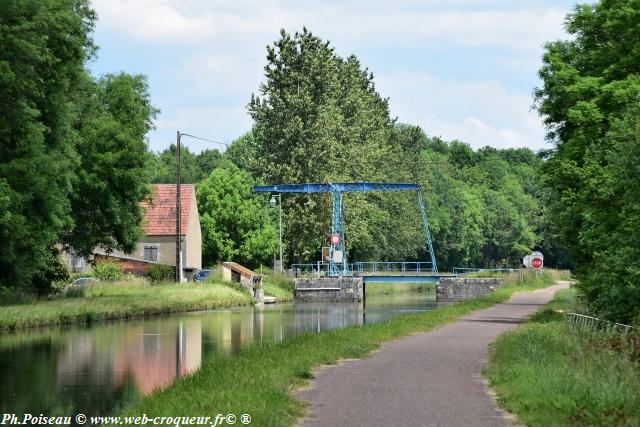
(318, 118)
(590, 100)
(75, 163)
(72, 147)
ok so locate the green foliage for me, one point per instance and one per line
(234, 220)
(193, 167)
(115, 114)
(52, 276)
(158, 273)
(318, 118)
(242, 151)
(108, 271)
(72, 147)
(43, 48)
(590, 102)
(550, 374)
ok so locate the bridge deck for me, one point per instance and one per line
(402, 278)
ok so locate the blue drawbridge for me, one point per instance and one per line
(337, 263)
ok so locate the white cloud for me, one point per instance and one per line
(165, 21)
(217, 55)
(478, 113)
(152, 20)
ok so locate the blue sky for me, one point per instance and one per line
(460, 69)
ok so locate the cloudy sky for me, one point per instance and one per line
(460, 69)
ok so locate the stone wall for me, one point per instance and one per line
(330, 289)
(462, 289)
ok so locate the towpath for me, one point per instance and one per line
(428, 379)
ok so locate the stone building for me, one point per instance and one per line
(158, 245)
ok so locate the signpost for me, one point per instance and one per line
(534, 260)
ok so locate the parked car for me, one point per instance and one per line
(77, 287)
(201, 275)
(83, 281)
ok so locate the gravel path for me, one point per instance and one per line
(429, 379)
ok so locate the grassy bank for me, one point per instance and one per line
(259, 379)
(274, 284)
(279, 286)
(549, 373)
(104, 301)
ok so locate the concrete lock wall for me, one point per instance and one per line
(329, 289)
(462, 289)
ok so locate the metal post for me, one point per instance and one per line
(425, 229)
(280, 204)
(178, 211)
(337, 227)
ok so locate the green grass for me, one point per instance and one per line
(379, 289)
(549, 373)
(259, 379)
(275, 284)
(102, 301)
(556, 274)
(279, 286)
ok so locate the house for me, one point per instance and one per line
(158, 245)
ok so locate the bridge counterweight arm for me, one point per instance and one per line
(339, 186)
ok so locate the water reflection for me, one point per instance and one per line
(97, 369)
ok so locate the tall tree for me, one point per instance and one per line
(193, 167)
(235, 222)
(72, 148)
(318, 119)
(43, 48)
(115, 114)
(589, 100)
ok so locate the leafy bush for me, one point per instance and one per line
(161, 273)
(10, 296)
(108, 271)
(280, 280)
(51, 277)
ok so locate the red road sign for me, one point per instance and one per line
(335, 239)
(536, 262)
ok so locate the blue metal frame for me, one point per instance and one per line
(337, 222)
(427, 233)
(337, 227)
(401, 279)
(338, 186)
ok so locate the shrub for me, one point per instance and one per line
(108, 271)
(280, 280)
(161, 273)
(50, 278)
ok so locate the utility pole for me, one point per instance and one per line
(178, 201)
(178, 214)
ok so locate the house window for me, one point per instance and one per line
(150, 253)
(77, 263)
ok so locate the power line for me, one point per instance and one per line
(204, 139)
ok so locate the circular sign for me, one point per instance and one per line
(536, 262)
(335, 239)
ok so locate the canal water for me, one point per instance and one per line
(97, 369)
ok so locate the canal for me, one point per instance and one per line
(97, 369)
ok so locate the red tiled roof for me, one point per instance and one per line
(160, 213)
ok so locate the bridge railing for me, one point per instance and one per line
(469, 270)
(320, 269)
(391, 267)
